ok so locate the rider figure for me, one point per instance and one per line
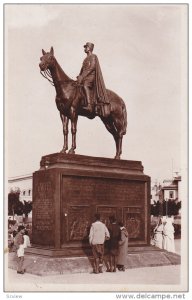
(91, 78)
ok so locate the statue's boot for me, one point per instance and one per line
(89, 106)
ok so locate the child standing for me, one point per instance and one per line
(19, 244)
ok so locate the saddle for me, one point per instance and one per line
(99, 108)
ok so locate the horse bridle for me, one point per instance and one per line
(47, 75)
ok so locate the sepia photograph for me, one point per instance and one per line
(96, 148)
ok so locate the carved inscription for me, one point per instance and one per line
(44, 208)
(79, 223)
(102, 191)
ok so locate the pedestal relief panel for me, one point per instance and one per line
(133, 222)
(78, 222)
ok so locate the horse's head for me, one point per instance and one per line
(47, 60)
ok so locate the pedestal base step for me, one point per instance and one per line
(136, 258)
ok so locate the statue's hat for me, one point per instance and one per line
(90, 45)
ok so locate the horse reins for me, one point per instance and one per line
(47, 75)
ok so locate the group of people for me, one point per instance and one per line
(164, 235)
(109, 245)
(21, 241)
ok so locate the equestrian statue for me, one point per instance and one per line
(87, 96)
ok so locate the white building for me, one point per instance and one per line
(24, 184)
(171, 189)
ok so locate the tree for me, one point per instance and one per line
(165, 208)
(15, 206)
(171, 208)
(27, 208)
(156, 208)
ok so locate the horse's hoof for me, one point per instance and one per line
(71, 151)
(117, 157)
(63, 151)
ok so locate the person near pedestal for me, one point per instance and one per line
(168, 236)
(115, 237)
(19, 246)
(123, 248)
(98, 234)
(27, 242)
(158, 234)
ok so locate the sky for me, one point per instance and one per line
(142, 51)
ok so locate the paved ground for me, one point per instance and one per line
(166, 278)
(150, 278)
(178, 246)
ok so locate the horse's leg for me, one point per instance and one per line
(119, 124)
(65, 122)
(110, 127)
(118, 136)
(74, 118)
(118, 141)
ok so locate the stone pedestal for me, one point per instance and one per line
(69, 189)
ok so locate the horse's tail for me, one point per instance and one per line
(124, 111)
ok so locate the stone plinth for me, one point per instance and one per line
(137, 257)
(69, 189)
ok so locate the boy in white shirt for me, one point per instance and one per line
(98, 234)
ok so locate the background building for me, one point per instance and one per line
(22, 185)
(170, 189)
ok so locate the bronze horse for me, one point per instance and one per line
(70, 99)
